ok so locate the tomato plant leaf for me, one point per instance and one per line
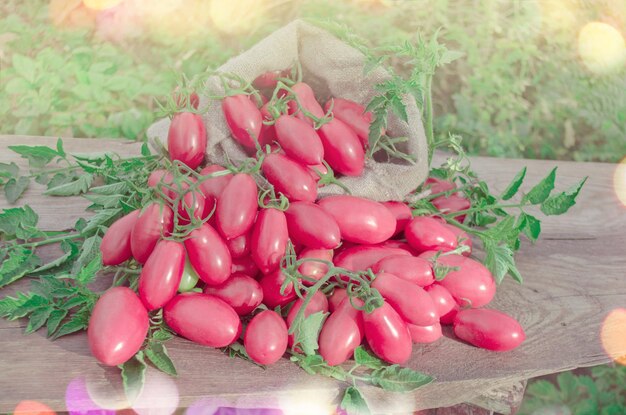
(19, 262)
(60, 149)
(71, 251)
(514, 186)
(162, 335)
(37, 156)
(315, 364)
(134, 376)
(560, 203)
(367, 359)
(88, 273)
(105, 201)
(353, 402)
(119, 188)
(500, 262)
(78, 321)
(542, 190)
(15, 218)
(532, 226)
(14, 188)
(102, 218)
(89, 251)
(55, 318)
(76, 187)
(307, 332)
(37, 319)
(156, 352)
(399, 379)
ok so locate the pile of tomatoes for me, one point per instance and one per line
(223, 247)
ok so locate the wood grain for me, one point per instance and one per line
(574, 276)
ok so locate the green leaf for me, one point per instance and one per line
(145, 150)
(162, 335)
(9, 170)
(88, 273)
(449, 56)
(157, 354)
(60, 150)
(78, 186)
(55, 318)
(399, 108)
(18, 86)
(134, 376)
(514, 186)
(13, 189)
(500, 261)
(37, 319)
(560, 203)
(568, 386)
(367, 359)
(101, 218)
(106, 201)
(15, 218)
(532, 226)
(315, 364)
(399, 379)
(90, 251)
(353, 402)
(70, 249)
(542, 190)
(78, 321)
(38, 156)
(9, 306)
(20, 262)
(24, 66)
(544, 390)
(307, 332)
(111, 189)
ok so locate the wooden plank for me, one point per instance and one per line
(574, 277)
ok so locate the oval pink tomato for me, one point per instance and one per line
(269, 239)
(289, 178)
(117, 327)
(161, 274)
(153, 223)
(387, 334)
(194, 202)
(341, 334)
(240, 291)
(472, 285)
(314, 269)
(425, 334)
(245, 265)
(488, 329)
(212, 187)
(165, 178)
(444, 302)
(271, 284)
(362, 257)
(268, 80)
(188, 315)
(239, 246)
(402, 213)
(115, 245)
(243, 118)
(311, 226)
(395, 244)
(411, 302)
(343, 150)
(354, 115)
(419, 271)
(187, 139)
(208, 255)
(334, 299)
(438, 185)
(360, 220)
(306, 99)
(424, 234)
(299, 140)
(266, 337)
(449, 317)
(463, 239)
(267, 136)
(452, 204)
(182, 99)
(237, 206)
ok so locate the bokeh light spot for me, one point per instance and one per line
(613, 335)
(32, 408)
(619, 181)
(601, 47)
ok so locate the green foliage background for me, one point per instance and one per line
(519, 91)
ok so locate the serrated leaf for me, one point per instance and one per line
(568, 385)
(74, 302)
(514, 186)
(542, 190)
(60, 149)
(37, 319)
(562, 202)
(157, 354)
(162, 335)
(101, 218)
(450, 56)
(25, 66)
(500, 262)
(399, 379)
(307, 332)
(399, 108)
(88, 273)
(544, 390)
(19, 263)
(110, 189)
(353, 402)
(532, 227)
(15, 218)
(90, 250)
(134, 376)
(367, 359)
(76, 187)
(9, 170)
(70, 253)
(37, 156)
(315, 364)
(77, 322)
(106, 201)
(145, 150)
(10, 306)
(14, 188)
(55, 318)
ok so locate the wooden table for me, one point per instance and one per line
(575, 275)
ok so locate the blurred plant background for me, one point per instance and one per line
(538, 79)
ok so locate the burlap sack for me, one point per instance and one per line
(332, 68)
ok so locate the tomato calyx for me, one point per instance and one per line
(329, 178)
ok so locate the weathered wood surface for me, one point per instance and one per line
(574, 275)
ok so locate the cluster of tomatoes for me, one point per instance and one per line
(259, 245)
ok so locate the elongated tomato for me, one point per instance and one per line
(187, 139)
(444, 302)
(425, 334)
(241, 292)
(155, 221)
(463, 239)
(239, 246)
(334, 299)
(115, 246)
(289, 178)
(271, 284)
(314, 269)
(362, 257)
(266, 337)
(387, 334)
(424, 234)
(410, 301)
(299, 140)
(212, 187)
(245, 265)
(161, 274)
(341, 333)
(268, 80)
(306, 98)
(162, 177)
(360, 220)
(311, 226)
(237, 206)
(354, 115)
(243, 118)
(402, 213)
(208, 255)
(471, 285)
(489, 329)
(117, 327)
(342, 149)
(438, 185)
(203, 318)
(268, 133)
(452, 204)
(269, 239)
(419, 271)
